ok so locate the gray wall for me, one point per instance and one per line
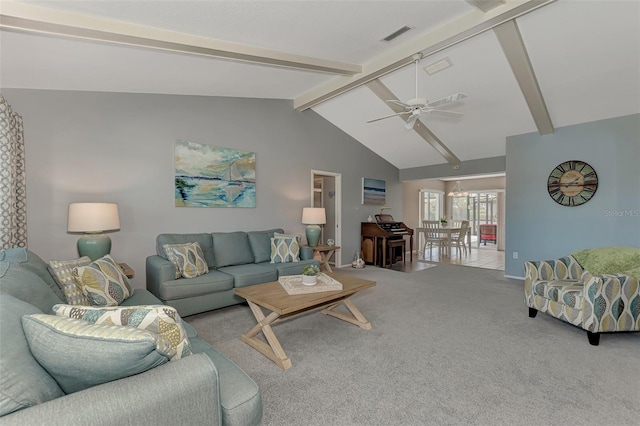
(539, 228)
(116, 147)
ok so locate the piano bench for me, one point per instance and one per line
(391, 249)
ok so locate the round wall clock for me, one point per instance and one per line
(572, 183)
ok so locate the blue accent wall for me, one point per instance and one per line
(539, 228)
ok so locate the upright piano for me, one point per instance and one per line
(374, 236)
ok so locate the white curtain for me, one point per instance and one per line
(13, 197)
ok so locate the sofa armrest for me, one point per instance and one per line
(611, 303)
(178, 392)
(159, 270)
(306, 253)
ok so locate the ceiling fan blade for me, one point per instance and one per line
(411, 121)
(397, 102)
(448, 100)
(387, 116)
(445, 114)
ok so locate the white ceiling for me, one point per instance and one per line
(585, 55)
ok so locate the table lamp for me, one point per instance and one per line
(93, 219)
(313, 217)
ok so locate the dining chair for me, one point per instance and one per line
(459, 240)
(432, 236)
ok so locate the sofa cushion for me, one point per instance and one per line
(251, 274)
(26, 286)
(79, 355)
(212, 282)
(204, 239)
(285, 249)
(187, 258)
(261, 244)
(232, 248)
(158, 319)
(23, 382)
(34, 263)
(103, 282)
(62, 273)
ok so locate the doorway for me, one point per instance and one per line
(483, 208)
(326, 190)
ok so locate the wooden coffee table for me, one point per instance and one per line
(273, 297)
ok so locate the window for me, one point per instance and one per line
(462, 207)
(430, 205)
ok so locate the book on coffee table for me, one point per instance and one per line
(293, 284)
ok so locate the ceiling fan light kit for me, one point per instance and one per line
(416, 106)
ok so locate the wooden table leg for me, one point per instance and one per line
(411, 248)
(356, 316)
(273, 350)
(324, 260)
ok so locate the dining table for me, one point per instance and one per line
(445, 231)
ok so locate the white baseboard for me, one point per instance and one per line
(513, 277)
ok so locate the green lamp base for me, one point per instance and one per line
(313, 235)
(94, 245)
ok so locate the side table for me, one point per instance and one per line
(325, 253)
(127, 270)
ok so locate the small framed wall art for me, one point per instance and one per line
(373, 191)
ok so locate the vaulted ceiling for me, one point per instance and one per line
(526, 66)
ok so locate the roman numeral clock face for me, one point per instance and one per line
(572, 183)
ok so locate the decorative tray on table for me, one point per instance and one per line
(293, 284)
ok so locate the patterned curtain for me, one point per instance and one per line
(13, 197)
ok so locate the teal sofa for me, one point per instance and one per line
(235, 259)
(203, 388)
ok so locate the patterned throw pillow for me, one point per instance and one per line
(79, 355)
(187, 258)
(62, 272)
(103, 282)
(285, 249)
(158, 319)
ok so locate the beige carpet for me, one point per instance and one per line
(450, 345)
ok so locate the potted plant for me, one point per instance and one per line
(443, 221)
(310, 275)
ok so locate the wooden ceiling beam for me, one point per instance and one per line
(430, 43)
(25, 17)
(514, 49)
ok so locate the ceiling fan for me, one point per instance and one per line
(416, 106)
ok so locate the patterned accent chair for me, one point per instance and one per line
(596, 303)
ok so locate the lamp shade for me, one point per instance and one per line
(93, 217)
(313, 216)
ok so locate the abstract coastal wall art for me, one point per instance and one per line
(373, 191)
(209, 176)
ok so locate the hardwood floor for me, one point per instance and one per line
(488, 258)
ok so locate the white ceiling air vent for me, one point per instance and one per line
(397, 33)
